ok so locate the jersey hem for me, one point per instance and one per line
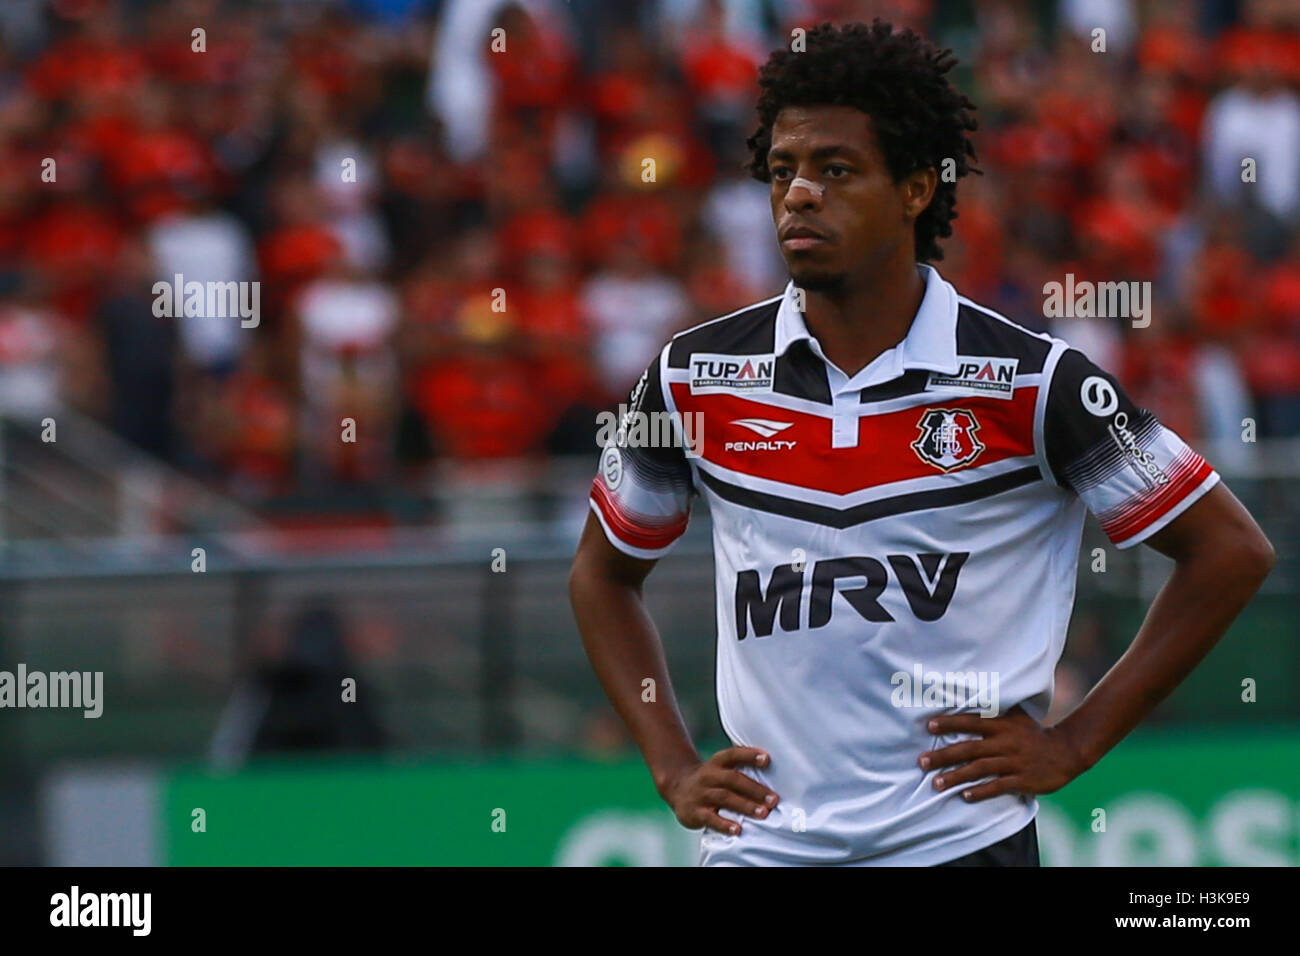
(932, 856)
(955, 851)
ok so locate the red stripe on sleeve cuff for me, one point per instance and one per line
(630, 533)
(1146, 512)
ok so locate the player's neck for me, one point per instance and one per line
(856, 325)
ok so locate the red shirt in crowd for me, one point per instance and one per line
(482, 404)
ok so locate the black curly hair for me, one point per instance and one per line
(897, 78)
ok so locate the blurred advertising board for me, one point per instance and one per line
(1177, 799)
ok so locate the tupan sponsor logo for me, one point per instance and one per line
(713, 374)
(983, 375)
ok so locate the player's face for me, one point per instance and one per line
(849, 198)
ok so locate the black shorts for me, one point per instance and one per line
(1019, 849)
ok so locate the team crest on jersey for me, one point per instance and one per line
(948, 438)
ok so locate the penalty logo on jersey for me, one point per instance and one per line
(948, 438)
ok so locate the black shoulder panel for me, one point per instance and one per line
(747, 332)
(979, 333)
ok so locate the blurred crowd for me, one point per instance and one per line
(460, 249)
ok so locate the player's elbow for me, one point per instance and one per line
(1247, 558)
(593, 577)
(589, 575)
(1258, 556)
(580, 575)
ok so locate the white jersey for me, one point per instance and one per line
(889, 547)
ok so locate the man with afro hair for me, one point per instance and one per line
(897, 479)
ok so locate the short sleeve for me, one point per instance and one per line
(643, 488)
(1133, 474)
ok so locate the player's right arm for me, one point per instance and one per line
(624, 648)
(640, 503)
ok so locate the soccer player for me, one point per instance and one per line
(898, 479)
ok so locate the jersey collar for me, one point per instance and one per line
(930, 343)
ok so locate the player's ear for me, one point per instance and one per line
(917, 189)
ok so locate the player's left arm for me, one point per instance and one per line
(1221, 557)
(1145, 485)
